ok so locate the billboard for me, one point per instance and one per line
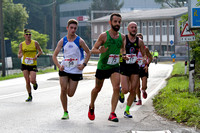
(194, 14)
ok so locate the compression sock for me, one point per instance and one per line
(127, 108)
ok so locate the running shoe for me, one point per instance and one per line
(65, 116)
(35, 86)
(127, 114)
(113, 117)
(144, 94)
(29, 99)
(91, 114)
(121, 96)
(139, 102)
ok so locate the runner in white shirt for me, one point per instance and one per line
(70, 70)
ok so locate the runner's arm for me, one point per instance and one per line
(55, 54)
(87, 50)
(20, 54)
(37, 45)
(97, 48)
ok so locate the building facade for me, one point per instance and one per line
(160, 27)
(75, 10)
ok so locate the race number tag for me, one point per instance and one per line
(70, 62)
(140, 61)
(28, 60)
(132, 58)
(113, 59)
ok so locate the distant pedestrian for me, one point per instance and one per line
(70, 70)
(28, 53)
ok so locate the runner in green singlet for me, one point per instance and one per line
(108, 45)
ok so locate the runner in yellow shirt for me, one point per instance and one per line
(28, 54)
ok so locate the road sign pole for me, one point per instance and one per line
(188, 52)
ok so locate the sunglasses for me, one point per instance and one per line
(28, 34)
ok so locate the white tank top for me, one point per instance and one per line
(73, 55)
(140, 57)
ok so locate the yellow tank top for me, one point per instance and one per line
(29, 52)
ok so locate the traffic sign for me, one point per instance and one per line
(173, 56)
(193, 14)
(186, 31)
(186, 34)
(172, 42)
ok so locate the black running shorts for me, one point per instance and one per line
(128, 70)
(105, 74)
(29, 68)
(142, 72)
(74, 77)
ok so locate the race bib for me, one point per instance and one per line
(140, 61)
(70, 62)
(28, 60)
(132, 58)
(113, 59)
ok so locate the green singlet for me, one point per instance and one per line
(110, 59)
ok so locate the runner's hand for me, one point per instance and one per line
(125, 57)
(61, 68)
(80, 66)
(146, 68)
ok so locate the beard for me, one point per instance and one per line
(132, 34)
(116, 27)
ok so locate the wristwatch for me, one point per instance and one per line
(84, 64)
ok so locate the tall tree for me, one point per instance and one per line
(171, 3)
(15, 17)
(40, 15)
(103, 5)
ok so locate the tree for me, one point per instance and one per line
(171, 3)
(103, 5)
(15, 17)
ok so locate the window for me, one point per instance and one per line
(95, 29)
(138, 27)
(150, 28)
(164, 27)
(144, 28)
(157, 27)
(101, 28)
(171, 27)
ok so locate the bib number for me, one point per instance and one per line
(70, 62)
(140, 61)
(132, 58)
(113, 59)
(28, 60)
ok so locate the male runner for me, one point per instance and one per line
(28, 54)
(70, 70)
(143, 73)
(129, 69)
(108, 45)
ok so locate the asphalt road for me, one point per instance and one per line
(43, 114)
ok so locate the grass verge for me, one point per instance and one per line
(175, 102)
(17, 75)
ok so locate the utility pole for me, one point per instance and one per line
(54, 27)
(2, 41)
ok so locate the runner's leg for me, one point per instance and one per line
(96, 90)
(64, 81)
(115, 80)
(27, 79)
